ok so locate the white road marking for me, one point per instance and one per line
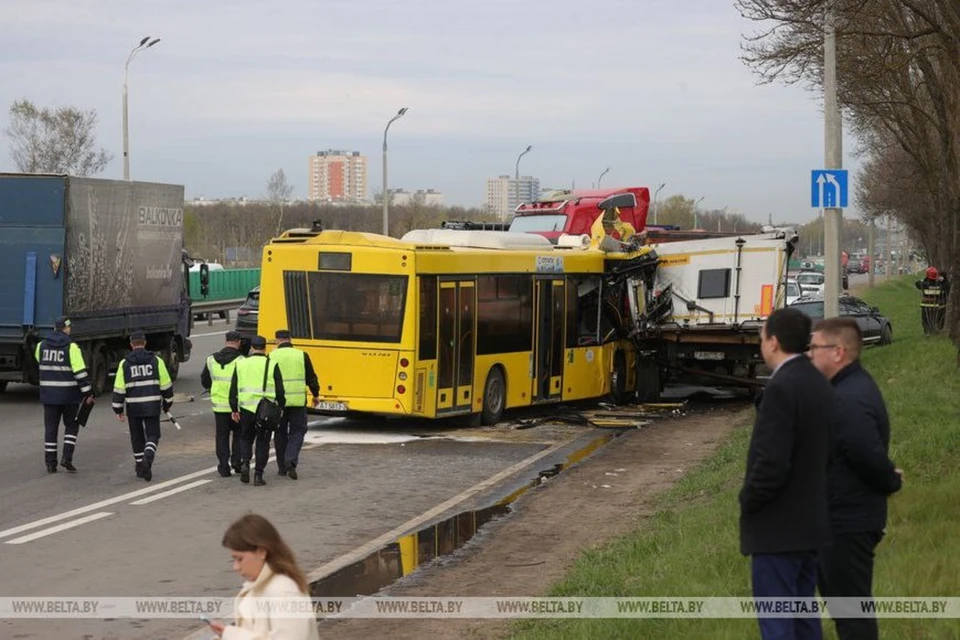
(62, 527)
(104, 503)
(212, 333)
(167, 494)
(410, 525)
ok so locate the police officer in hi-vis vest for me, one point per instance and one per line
(63, 386)
(298, 374)
(142, 383)
(216, 377)
(255, 377)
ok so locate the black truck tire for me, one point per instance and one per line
(99, 370)
(171, 358)
(3, 386)
(618, 379)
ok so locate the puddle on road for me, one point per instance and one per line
(402, 557)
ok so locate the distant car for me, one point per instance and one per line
(793, 291)
(811, 283)
(875, 327)
(248, 314)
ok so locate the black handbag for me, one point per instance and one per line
(268, 412)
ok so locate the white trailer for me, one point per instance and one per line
(698, 318)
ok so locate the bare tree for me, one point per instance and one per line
(278, 194)
(60, 140)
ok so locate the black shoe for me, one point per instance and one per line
(258, 480)
(245, 472)
(66, 464)
(236, 468)
(51, 468)
(224, 473)
(292, 473)
(281, 472)
(147, 473)
(138, 467)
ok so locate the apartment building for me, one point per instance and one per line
(504, 194)
(337, 176)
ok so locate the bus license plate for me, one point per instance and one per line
(708, 355)
(332, 406)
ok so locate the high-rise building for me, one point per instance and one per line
(504, 194)
(337, 176)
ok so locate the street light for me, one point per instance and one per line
(516, 174)
(386, 194)
(656, 209)
(605, 172)
(696, 210)
(145, 43)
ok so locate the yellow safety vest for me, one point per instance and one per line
(250, 386)
(293, 369)
(220, 376)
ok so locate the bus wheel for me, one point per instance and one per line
(494, 397)
(618, 379)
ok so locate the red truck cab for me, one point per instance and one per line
(574, 212)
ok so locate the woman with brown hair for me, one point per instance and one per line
(274, 602)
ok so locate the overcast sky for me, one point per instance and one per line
(237, 89)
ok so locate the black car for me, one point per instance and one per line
(248, 313)
(874, 326)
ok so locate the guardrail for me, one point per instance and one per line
(213, 307)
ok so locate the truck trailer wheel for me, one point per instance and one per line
(3, 386)
(494, 397)
(171, 358)
(98, 370)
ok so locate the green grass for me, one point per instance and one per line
(690, 547)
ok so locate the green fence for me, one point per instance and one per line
(228, 284)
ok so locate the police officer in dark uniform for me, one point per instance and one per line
(298, 375)
(63, 386)
(144, 384)
(255, 377)
(216, 377)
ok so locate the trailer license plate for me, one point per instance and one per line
(708, 355)
(332, 406)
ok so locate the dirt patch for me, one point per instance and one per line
(604, 497)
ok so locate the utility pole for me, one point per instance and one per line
(833, 156)
(871, 251)
(386, 187)
(656, 204)
(886, 257)
(516, 177)
(145, 43)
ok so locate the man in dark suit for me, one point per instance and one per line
(783, 502)
(860, 475)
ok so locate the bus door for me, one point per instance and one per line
(548, 342)
(456, 335)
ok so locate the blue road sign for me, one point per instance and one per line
(828, 188)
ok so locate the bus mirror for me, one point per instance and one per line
(619, 201)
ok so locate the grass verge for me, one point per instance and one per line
(690, 547)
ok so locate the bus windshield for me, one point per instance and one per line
(356, 307)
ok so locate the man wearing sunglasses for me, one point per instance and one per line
(860, 475)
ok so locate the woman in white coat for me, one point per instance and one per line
(274, 603)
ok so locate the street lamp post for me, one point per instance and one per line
(516, 174)
(386, 193)
(145, 43)
(600, 179)
(656, 208)
(696, 211)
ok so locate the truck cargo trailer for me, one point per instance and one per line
(108, 254)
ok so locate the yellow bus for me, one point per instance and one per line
(448, 322)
